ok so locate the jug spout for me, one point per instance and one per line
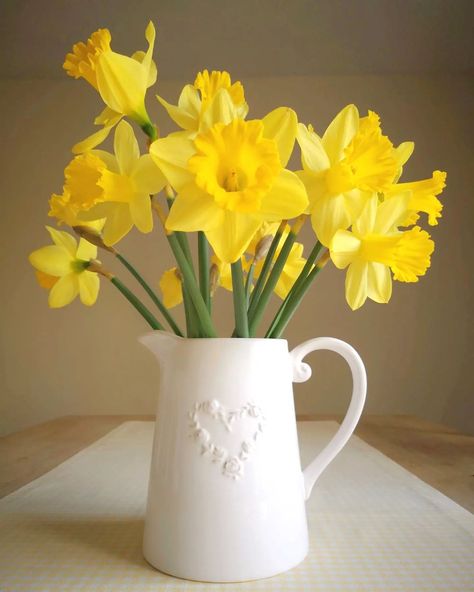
(161, 343)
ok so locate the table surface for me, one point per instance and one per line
(437, 454)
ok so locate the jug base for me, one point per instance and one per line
(183, 575)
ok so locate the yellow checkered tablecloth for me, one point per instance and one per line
(373, 526)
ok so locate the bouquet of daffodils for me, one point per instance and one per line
(225, 177)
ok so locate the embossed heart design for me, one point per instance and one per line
(232, 465)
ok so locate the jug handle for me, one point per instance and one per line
(302, 373)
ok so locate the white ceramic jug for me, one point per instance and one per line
(226, 498)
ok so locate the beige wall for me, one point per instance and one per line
(88, 361)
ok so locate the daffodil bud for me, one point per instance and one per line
(93, 237)
(213, 278)
(262, 247)
(321, 262)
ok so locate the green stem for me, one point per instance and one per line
(183, 239)
(299, 280)
(134, 301)
(261, 303)
(192, 328)
(248, 282)
(265, 269)
(240, 307)
(293, 304)
(164, 311)
(189, 281)
(203, 255)
(150, 130)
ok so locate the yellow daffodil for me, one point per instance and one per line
(375, 248)
(343, 168)
(121, 81)
(121, 184)
(231, 178)
(63, 269)
(200, 104)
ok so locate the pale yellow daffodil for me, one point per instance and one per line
(200, 104)
(231, 178)
(124, 183)
(375, 248)
(63, 269)
(343, 168)
(121, 81)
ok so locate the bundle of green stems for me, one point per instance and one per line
(250, 297)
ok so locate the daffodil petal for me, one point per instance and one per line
(328, 216)
(356, 284)
(152, 72)
(190, 102)
(193, 209)
(146, 176)
(86, 250)
(403, 152)
(231, 237)
(287, 198)
(220, 110)
(64, 291)
(280, 125)
(93, 140)
(365, 222)
(340, 132)
(171, 154)
(97, 212)
(313, 155)
(125, 147)
(122, 83)
(150, 35)
(141, 213)
(118, 223)
(344, 248)
(315, 184)
(89, 285)
(179, 114)
(392, 212)
(63, 239)
(108, 159)
(379, 282)
(52, 260)
(108, 117)
(171, 288)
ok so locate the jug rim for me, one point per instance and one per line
(213, 339)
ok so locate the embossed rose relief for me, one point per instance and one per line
(232, 465)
